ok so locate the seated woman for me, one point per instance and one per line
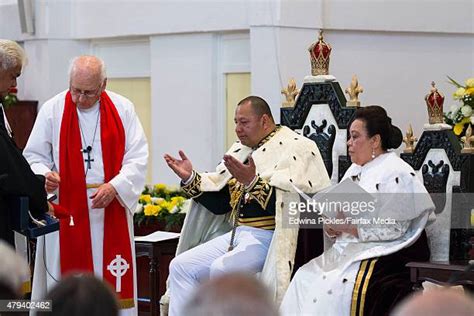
(363, 272)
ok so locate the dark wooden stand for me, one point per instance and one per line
(153, 260)
(442, 273)
(21, 117)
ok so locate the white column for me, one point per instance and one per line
(280, 33)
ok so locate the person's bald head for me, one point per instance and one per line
(258, 105)
(436, 303)
(87, 80)
(234, 294)
(88, 66)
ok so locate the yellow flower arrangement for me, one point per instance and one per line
(461, 115)
(160, 203)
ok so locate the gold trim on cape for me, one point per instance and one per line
(362, 281)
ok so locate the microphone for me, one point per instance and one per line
(87, 150)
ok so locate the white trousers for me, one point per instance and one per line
(212, 259)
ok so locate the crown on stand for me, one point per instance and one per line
(434, 102)
(319, 53)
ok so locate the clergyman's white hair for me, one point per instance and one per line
(102, 69)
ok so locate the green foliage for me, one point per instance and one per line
(161, 204)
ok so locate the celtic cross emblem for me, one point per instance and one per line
(118, 267)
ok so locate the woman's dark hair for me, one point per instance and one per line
(377, 122)
(82, 295)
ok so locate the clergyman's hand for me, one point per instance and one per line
(52, 181)
(244, 173)
(182, 167)
(104, 195)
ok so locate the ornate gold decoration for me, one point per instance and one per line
(290, 93)
(319, 53)
(236, 190)
(261, 192)
(193, 189)
(353, 91)
(268, 137)
(263, 222)
(434, 102)
(468, 141)
(409, 140)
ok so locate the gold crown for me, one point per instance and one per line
(319, 53)
(434, 102)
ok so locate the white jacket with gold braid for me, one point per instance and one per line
(285, 159)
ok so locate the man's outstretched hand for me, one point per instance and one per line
(182, 167)
(244, 173)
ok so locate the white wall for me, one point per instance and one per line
(9, 20)
(233, 56)
(47, 71)
(395, 68)
(396, 47)
(433, 16)
(183, 100)
(128, 18)
(129, 58)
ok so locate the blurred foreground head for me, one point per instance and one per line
(14, 271)
(82, 295)
(436, 303)
(231, 295)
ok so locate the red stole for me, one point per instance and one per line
(75, 241)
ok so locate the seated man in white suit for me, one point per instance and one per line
(247, 186)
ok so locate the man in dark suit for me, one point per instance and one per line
(16, 177)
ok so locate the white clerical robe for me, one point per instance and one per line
(42, 152)
(317, 287)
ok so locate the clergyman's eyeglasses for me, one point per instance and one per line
(85, 93)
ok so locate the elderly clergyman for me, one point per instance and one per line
(91, 147)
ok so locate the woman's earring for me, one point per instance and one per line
(373, 154)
